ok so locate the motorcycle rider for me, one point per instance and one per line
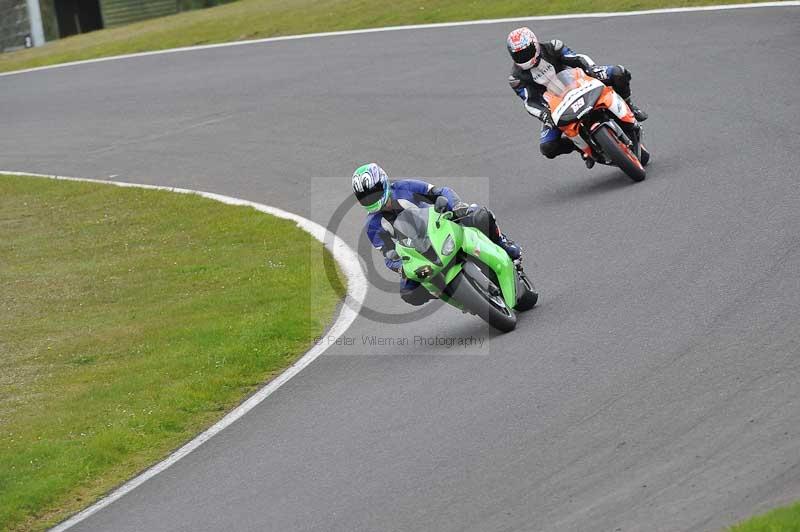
(385, 200)
(536, 63)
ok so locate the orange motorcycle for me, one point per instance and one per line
(598, 121)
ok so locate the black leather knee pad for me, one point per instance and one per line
(621, 80)
(621, 72)
(484, 221)
(551, 150)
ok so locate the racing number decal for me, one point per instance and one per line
(577, 105)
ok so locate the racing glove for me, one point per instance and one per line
(598, 72)
(547, 118)
(461, 209)
(391, 263)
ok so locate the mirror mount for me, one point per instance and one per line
(443, 208)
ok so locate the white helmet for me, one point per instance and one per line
(524, 48)
(371, 186)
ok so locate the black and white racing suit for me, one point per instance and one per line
(530, 86)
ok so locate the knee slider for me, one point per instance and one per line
(551, 150)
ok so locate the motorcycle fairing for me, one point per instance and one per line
(614, 103)
(479, 245)
(467, 240)
(577, 105)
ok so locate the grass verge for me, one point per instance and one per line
(131, 320)
(779, 520)
(253, 19)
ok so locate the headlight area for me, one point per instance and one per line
(448, 246)
(423, 272)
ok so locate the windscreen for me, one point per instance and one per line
(565, 81)
(411, 229)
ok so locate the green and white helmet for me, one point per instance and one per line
(371, 186)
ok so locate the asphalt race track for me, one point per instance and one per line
(656, 387)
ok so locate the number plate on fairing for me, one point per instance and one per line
(574, 98)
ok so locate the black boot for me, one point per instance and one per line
(513, 250)
(640, 115)
(587, 160)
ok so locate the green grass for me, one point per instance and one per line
(251, 19)
(780, 520)
(130, 320)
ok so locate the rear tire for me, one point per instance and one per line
(472, 297)
(619, 154)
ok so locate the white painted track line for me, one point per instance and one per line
(788, 3)
(356, 291)
(344, 255)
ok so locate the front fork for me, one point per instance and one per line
(630, 135)
(635, 134)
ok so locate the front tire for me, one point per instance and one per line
(619, 154)
(491, 308)
(645, 158)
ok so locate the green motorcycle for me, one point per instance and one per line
(461, 265)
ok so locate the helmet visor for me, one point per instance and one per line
(370, 198)
(523, 56)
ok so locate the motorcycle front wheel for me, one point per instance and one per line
(619, 153)
(479, 301)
